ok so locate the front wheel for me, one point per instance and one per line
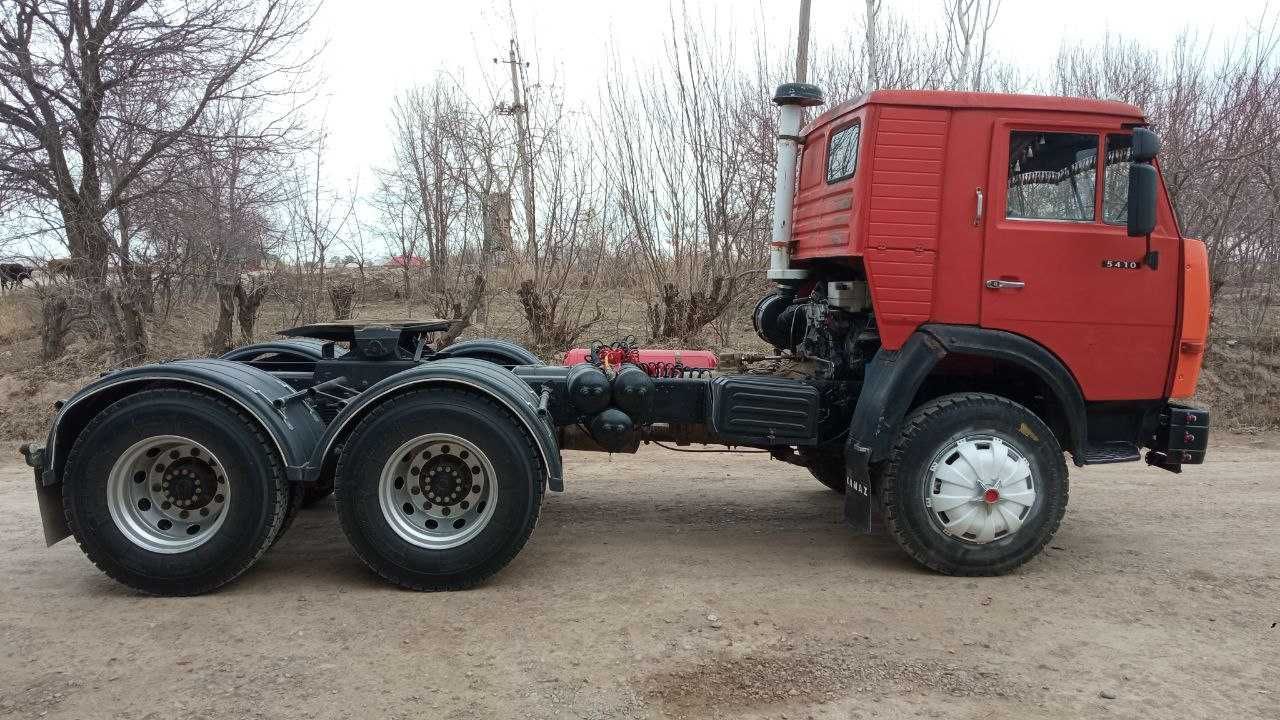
(975, 485)
(438, 489)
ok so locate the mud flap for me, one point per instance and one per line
(52, 517)
(857, 493)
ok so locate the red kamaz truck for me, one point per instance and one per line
(972, 285)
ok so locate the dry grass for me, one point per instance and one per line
(18, 314)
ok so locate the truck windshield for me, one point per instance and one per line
(1051, 176)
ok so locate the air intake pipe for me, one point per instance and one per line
(791, 99)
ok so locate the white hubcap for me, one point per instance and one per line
(979, 489)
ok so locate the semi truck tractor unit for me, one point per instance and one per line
(967, 289)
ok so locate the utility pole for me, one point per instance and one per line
(802, 44)
(520, 111)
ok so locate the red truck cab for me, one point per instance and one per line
(1007, 212)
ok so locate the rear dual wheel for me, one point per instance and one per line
(173, 492)
(438, 489)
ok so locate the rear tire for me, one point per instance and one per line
(173, 492)
(438, 489)
(975, 485)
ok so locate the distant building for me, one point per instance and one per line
(412, 262)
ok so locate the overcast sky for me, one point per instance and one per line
(377, 48)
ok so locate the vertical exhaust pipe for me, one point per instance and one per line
(791, 99)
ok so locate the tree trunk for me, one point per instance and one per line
(122, 311)
(342, 297)
(55, 324)
(218, 341)
(248, 303)
(463, 319)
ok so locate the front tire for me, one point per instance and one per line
(975, 485)
(173, 492)
(438, 489)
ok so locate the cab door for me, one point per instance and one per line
(1060, 268)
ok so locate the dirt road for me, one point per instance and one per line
(669, 585)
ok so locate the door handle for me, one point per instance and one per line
(977, 210)
(1005, 284)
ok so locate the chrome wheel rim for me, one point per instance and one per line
(437, 491)
(168, 494)
(979, 489)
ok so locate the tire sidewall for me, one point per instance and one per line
(250, 470)
(1017, 427)
(380, 435)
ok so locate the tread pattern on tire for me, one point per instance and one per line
(501, 561)
(277, 509)
(904, 534)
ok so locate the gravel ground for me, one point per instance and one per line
(670, 585)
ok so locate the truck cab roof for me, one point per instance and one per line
(953, 100)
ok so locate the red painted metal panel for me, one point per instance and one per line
(901, 244)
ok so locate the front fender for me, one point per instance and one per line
(480, 376)
(294, 429)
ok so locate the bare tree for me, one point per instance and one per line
(99, 100)
(872, 23)
(318, 217)
(968, 24)
(450, 158)
(78, 79)
(690, 148)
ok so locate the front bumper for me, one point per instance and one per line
(1181, 438)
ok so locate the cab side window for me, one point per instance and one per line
(1052, 176)
(1115, 180)
(842, 154)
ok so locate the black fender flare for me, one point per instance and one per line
(308, 348)
(294, 428)
(501, 352)
(894, 377)
(482, 376)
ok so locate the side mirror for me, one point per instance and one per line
(1145, 147)
(1143, 183)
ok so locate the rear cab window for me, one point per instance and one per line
(842, 153)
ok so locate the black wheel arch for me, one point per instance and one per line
(475, 375)
(895, 379)
(292, 430)
(499, 352)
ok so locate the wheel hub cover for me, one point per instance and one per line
(979, 489)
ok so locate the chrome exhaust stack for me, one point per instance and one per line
(791, 99)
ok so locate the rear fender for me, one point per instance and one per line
(294, 429)
(480, 376)
(501, 352)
